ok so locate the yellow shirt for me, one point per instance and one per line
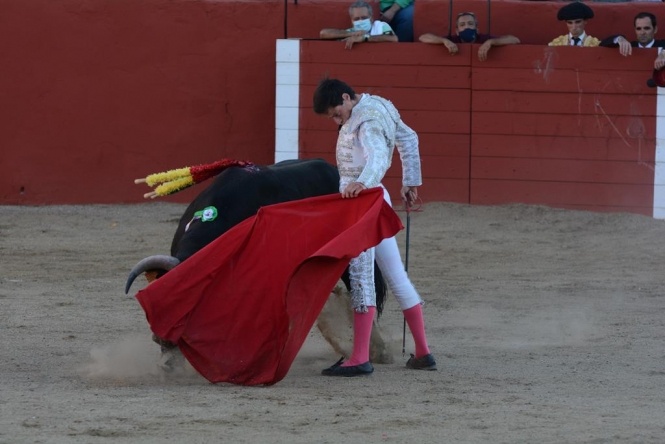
(563, 40)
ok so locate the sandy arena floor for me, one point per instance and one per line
(548, 327)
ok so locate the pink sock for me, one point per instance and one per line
(414, 317)
(362, 330)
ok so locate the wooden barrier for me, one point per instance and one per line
(95, 94)
(566, 127)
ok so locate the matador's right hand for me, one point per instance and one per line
(353, 189)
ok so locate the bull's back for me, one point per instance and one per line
(300, 179)
(237, 194)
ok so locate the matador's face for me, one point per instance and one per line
(341, 113)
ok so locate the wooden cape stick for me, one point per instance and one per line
(406, 268)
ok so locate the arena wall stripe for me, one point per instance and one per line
(287, 96)
(659, 161)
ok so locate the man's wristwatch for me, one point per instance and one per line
(366, 37)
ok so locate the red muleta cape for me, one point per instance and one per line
(241, 308)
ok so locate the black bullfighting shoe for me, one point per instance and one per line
(354, 370)
(426, 362)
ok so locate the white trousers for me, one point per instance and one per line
(390, 262)
(361, 273)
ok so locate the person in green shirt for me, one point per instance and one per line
(399, 15)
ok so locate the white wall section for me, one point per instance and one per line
(659, 164)
(287, 98)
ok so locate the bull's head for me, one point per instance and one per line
(159, 263)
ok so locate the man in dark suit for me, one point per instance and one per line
(645, 30)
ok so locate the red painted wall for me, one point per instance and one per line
(431, 90)
(96, 93)
(566, 127)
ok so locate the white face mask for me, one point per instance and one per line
(362, 25)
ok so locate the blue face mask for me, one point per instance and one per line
(468, 35)
(362, 25)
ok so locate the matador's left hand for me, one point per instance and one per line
(409, 195)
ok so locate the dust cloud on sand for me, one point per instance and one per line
(135, 359)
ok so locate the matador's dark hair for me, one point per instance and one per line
(329, 94)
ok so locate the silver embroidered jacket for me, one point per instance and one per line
(367, 140)
(365, 148)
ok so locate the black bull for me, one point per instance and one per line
(237, 193)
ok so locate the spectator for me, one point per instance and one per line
(645, 30)
(363, 30)
(399, 15)
(467, 32)
(576, 15)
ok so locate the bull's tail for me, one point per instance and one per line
(381, 289)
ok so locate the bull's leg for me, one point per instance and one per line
(164, 344)
(171, 357)
(379, 350)
(336, 325)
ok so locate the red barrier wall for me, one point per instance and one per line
(96, 93)
(431, 91)
(566, 127)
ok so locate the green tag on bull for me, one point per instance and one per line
(207, 214)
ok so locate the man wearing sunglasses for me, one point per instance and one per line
(466, 28)
(576, 15)
(645, 30)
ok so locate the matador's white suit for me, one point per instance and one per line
(364, 152)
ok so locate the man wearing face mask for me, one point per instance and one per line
(467, 32)
(576, 15)
(363, 30)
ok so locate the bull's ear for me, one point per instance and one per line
(153, 275)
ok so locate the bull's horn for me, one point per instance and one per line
(156, 262)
